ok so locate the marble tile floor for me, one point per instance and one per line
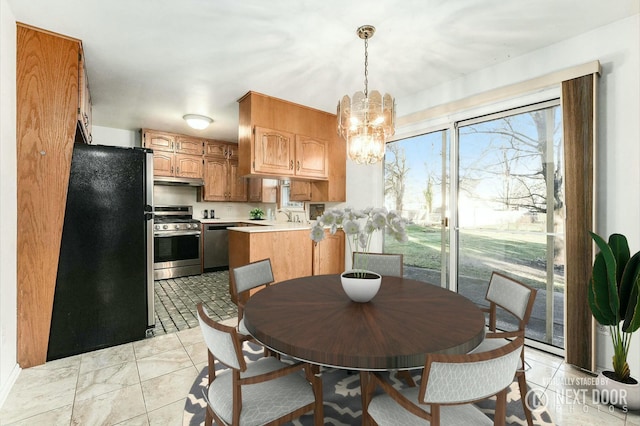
(146, 382)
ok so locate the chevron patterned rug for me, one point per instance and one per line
(342, 405)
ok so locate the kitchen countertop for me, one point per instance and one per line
(260, 225)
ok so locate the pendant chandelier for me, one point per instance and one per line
(367, 120)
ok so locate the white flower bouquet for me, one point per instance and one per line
(360, 225)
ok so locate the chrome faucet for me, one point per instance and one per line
(288, 213)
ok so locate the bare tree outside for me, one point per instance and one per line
(395, 175)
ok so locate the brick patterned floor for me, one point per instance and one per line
(176, 300)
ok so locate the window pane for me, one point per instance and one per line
(416, 184)
(510, 211)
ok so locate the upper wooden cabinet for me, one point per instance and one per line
(263, 190)
(158, 141)
(282, 153)
(222, 182)
(174, 155)
(277, 138)
(189, 145)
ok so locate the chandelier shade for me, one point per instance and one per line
(366, 120)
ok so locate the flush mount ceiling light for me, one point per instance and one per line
(367, 120)
(198, 122)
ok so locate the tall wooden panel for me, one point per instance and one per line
(47, 108)
(578, 115)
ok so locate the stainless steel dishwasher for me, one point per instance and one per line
(216, 246)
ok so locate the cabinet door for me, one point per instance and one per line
(273, 152)
(328, 254)
(215, 179)
(215, 148)
(262, 190)
(237, 185)
(300, 190)
(189, 166)
(255, 189)
(187, 145)
(158, 141)
(232, 151)
(311, 157)
(163, 163)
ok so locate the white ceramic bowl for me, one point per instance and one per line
(360, 289)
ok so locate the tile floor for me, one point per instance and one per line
(146, 382)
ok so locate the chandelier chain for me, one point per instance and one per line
(366, 66)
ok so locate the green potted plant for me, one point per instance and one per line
(256, 213)
(614, 301)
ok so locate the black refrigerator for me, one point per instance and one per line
(104, 288)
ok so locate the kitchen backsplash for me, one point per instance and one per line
(179, 195)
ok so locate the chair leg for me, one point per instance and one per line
(318, 410)
(522, 384)
(501, 408)
(208, 417)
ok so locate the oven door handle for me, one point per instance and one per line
(175, 234)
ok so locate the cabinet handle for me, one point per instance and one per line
(177, 170)
(291, 165)
(298, 165)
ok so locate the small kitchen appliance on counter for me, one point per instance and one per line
(177, 247)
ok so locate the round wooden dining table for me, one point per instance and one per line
(313, 320)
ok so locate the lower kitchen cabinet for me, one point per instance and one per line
(328, 254)
(289, 251)
(292, 252)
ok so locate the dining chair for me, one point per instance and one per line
(516, 299)
(382, 263)
(451, 383)
(247, 278)
(266, 391)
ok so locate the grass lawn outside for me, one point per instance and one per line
(521, 253)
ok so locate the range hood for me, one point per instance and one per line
(177, 181)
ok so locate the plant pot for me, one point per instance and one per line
(360, 285)
(618, 394)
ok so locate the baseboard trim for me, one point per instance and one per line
(6, 387)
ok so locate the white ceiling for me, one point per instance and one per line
(152, 61)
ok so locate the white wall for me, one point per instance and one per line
(8, 198)
(617, 47)
(116, 137)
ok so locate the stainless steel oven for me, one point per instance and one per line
(177, 247)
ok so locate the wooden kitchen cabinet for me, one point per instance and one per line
(328, 254)
(281, 153)
(263, 190)
(158, 141)
(222, 182)
(175, 156)
(312, 157)
(292, 253)
(300, 190)
(188, 166)
(277, 138)
(47, 100)
(288, 250)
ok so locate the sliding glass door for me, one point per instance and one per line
(507, 212)
(510, 209)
